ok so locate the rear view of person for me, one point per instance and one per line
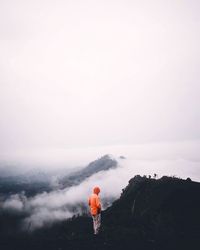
(95, 209)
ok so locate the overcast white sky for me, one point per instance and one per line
(77, 74)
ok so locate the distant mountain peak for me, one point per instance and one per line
(122, 157)
(103, 163)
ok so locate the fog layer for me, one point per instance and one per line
(85, 73)
(177, 159)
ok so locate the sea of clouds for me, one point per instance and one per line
(180, 159)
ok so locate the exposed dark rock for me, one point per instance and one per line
(151, 214)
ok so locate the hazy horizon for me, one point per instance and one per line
(178, 158)
(79, 79)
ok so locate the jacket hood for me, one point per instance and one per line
(96, 190)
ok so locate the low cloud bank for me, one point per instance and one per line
(15, 202)
(181, 160)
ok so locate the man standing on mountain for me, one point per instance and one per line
(95, 209)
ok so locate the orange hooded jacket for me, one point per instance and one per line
(94, 202)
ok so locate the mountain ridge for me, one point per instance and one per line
(151, 214)
(103, 163)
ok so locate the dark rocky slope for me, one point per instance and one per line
(151, 214)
